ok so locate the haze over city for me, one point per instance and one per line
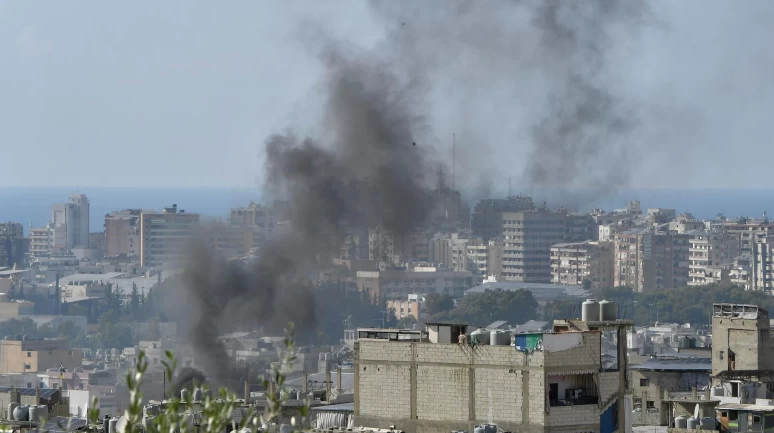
(436, 216)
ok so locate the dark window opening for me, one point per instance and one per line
(644, 382)
(756, 419)
(650, 404)
(734, 389)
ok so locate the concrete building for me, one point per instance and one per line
(742, 366)
(233, 241)
(585, 263)
(762, 264)
(122, 233)
(486, 220)
(550, 382)
(450, 251)
(748, 232)
(13, 245)
(527, 239)
(165, 235)
(421, 281)
(412, 305)
(580, 228)
(39, 242)
(658, 380)
(661, 216)
(709, 252)
(37, 356)
(73, 217)
(478, 256)
(647, 260)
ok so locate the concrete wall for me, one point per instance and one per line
(437, 388)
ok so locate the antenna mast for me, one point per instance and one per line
(454, 157)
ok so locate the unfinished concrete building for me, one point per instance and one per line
(559, 381)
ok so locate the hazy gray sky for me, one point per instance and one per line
(183, 93)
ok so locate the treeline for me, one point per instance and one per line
(691, 304)
(513, 306)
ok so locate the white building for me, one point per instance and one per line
(73, 218)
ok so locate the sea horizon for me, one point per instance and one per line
(31, 205)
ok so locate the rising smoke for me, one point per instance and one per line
(370, 165)
(366, 170)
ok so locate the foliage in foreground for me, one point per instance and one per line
(214, 414)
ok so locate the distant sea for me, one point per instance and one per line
(32, 205)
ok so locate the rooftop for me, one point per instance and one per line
(541, 291)
(675, 364)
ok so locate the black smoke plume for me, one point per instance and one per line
(366, 169)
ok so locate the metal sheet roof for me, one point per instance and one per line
(675, 364)
(44, 392)
(343, 407)
(747, 407)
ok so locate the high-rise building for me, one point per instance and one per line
(40, 244)
(708, 251)
(450, 251)
(13, 246)
(478, 256)
(527, 238)
(645, 260)
(486, 220)
(122, 233)
(749, 232)
(165, 235)
(584, 263)
(762, 262)
(73, 218)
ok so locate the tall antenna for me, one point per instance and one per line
(454, 157)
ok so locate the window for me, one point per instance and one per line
(756, 419)
(188, 364)
(734, 389)
(80, 385)
(722, 354)
(27, 367)
(650, 404)
(29, 385)
(644, 382)
(29, 354)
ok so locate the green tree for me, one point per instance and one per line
(513, 306)
(134, 302)
(438, 303)
(407, 322)
(562, 309)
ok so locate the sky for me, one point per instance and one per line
(184, 93)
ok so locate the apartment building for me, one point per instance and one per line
(419, 280)
(13, 245)
(486, 220)
(39, 242)
(260, 219)
(644, 260)
(527, 239)
(762, 264)
(11, 230)
(541, 382)
(17, 356)
(583, 263)
(478, 256)
(165, 235)
(580, 228)
(450, 251)
(748, 233)
(73, 218)
(233, 241)
(708, 253)
(411, 305)
(122, 233)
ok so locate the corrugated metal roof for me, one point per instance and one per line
(747, 407)
(675, 364)
(343, 407)
(44, 392)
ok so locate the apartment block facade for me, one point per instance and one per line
(18, 356)
(165, 235)
(708, 251)
(422, 281)
(762, 263)
(644, 260)
(122, 233)
(450, 251)
(583, 263)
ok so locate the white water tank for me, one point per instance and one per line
(198, 394)
(42, 412)
(33, 413)
(11, 407)
(498, 337)
(112, 425)
(692, 423)
(608, 311)
(681, 422)
(590, 310)
(481, 336)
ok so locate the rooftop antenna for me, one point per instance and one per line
(454, 157)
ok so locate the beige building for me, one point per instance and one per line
(762, 263)
(450, 251)
(708, 254)
(165, 235)
(37, 356)
(478, 256)
(39, 242)
(12, 310)
(421, 280)
(233, 241)
(527, 238)
(749, 233)
(646, 260)
(122, 233)
(556, 383)
(412, 305)
(575, 263)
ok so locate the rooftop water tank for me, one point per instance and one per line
(42, 412)
(478, 429)
(284, 428)
(681, 422)
(184, 395)
(608, 311)
(717, 391)
(112, 425)
(33, 413)
(708, 423)
(147, 423)
(106, 423)
(498, 337)
(692, 423)
(481, 336)
(21, 413)
(11, 406)
(198, 394)
(590, 310)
